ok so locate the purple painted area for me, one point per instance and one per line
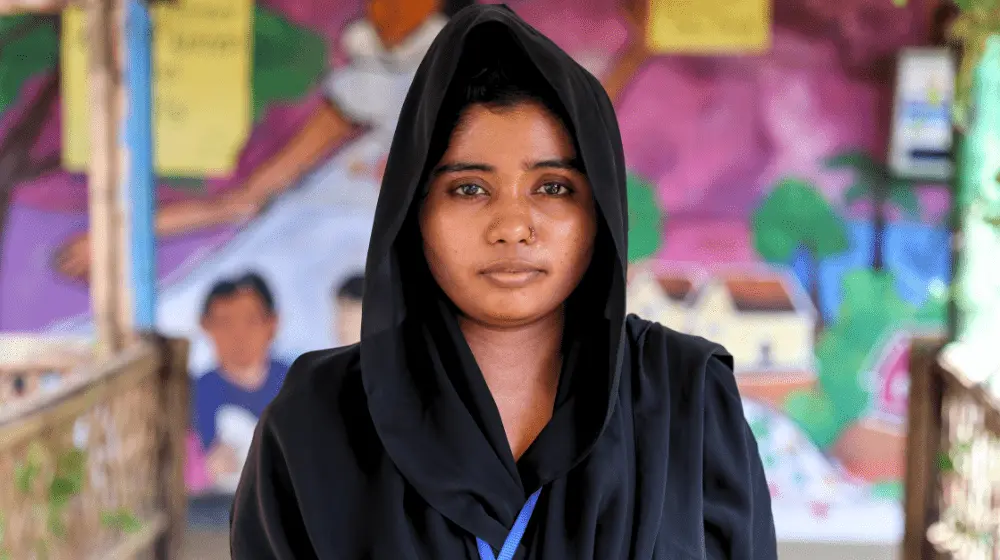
(34, 296)
(325, 16)
(707, 240)
(29, 92)
(577, 27)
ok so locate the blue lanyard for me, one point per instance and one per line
(515, 535)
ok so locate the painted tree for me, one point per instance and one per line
(871, 308)
(874, 182)
(646, 219)
(816, 414)
(796, 217)
(288, 60)
(29, 47)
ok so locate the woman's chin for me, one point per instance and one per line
(514, 315)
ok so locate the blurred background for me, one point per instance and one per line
(811, 183)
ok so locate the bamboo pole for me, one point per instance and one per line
(103, 21)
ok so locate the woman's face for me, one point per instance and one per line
(509, 221)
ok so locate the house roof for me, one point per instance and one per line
(760, 289)
(766, 295)
(677, 288)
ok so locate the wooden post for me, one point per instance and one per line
(923, 446)
(111, 317)
(174, 399)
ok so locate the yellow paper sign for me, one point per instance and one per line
(709, 26)
(201, 86)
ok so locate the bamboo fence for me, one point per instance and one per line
(953, 463)
(93, 467)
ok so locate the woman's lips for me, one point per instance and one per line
(512, 274)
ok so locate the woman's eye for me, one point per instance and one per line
(555, 189)
(470, 189)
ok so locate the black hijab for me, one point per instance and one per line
(394, 448)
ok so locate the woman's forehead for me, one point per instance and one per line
(525, 128)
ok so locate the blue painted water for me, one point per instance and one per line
(917, 254)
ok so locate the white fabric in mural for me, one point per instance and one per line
(235, 426)
(371, 89)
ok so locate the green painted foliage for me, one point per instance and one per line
(871, 308)
(646, 219)
(815, 413)
(796, 215)
(890, 490)
(288, 60)
(871, 175)
(28, 46)
(870, 311)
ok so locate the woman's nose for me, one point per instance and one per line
(512, 223)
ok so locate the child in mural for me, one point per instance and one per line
(240, 318)
(347, 302)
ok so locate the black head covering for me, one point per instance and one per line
(434, 413)
(395, 449)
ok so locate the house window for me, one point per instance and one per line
(897, 393)
(19, 385)
(765, 354)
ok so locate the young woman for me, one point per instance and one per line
(500, 404)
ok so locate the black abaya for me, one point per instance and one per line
(394, 448)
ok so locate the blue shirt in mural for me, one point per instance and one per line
(222, 409)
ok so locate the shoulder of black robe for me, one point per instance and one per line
(693, 378)
(394, 448)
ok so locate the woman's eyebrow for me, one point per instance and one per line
(566, 164)
(461, 166)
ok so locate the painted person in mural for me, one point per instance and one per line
(347, 299)
(498, 382)
(239, 316)
(362, 99)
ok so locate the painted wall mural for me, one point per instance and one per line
(762, 216)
